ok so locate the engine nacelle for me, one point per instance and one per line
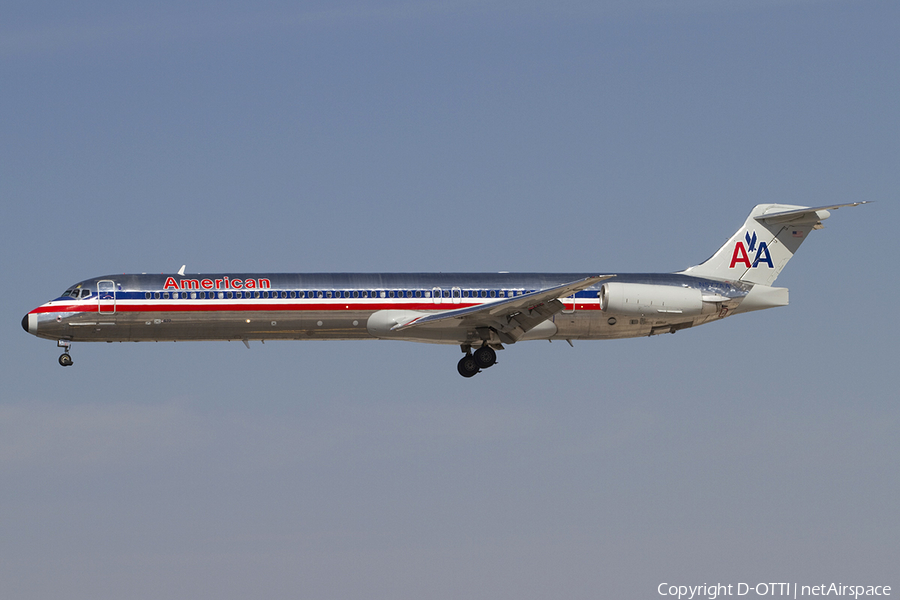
(645, 299)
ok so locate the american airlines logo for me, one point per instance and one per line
(742, 253)
(216, 284)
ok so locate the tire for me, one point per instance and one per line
(65, 360)
(467, 366)
(485, 357)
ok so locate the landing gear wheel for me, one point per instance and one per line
(485, 357)
(65, 360)
(467, 366)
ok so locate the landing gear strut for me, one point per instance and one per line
(65, 360)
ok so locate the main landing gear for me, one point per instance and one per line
(472, 363)
(65, 360)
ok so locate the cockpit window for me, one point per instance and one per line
(85, 293)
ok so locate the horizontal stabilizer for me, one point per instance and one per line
(803, 215)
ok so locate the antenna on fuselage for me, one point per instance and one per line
(181, 270)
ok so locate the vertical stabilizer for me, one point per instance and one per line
(758, 251)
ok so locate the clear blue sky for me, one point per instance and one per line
(467, 136)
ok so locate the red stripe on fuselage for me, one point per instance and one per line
(124, 306)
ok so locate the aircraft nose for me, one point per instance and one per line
(25, 324)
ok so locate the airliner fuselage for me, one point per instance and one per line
(342, 306)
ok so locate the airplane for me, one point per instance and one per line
(480, 312)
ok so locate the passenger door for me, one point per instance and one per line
(106, 297)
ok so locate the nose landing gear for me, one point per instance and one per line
(65, 359)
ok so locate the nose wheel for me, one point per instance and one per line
(65, 360)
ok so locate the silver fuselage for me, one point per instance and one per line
(344, 306)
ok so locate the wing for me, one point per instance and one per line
(511, 318)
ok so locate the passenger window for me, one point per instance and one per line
(193, 295)
(493, 294)
(166, 295)
(147, 295)
(156, 295)
(418, 293)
